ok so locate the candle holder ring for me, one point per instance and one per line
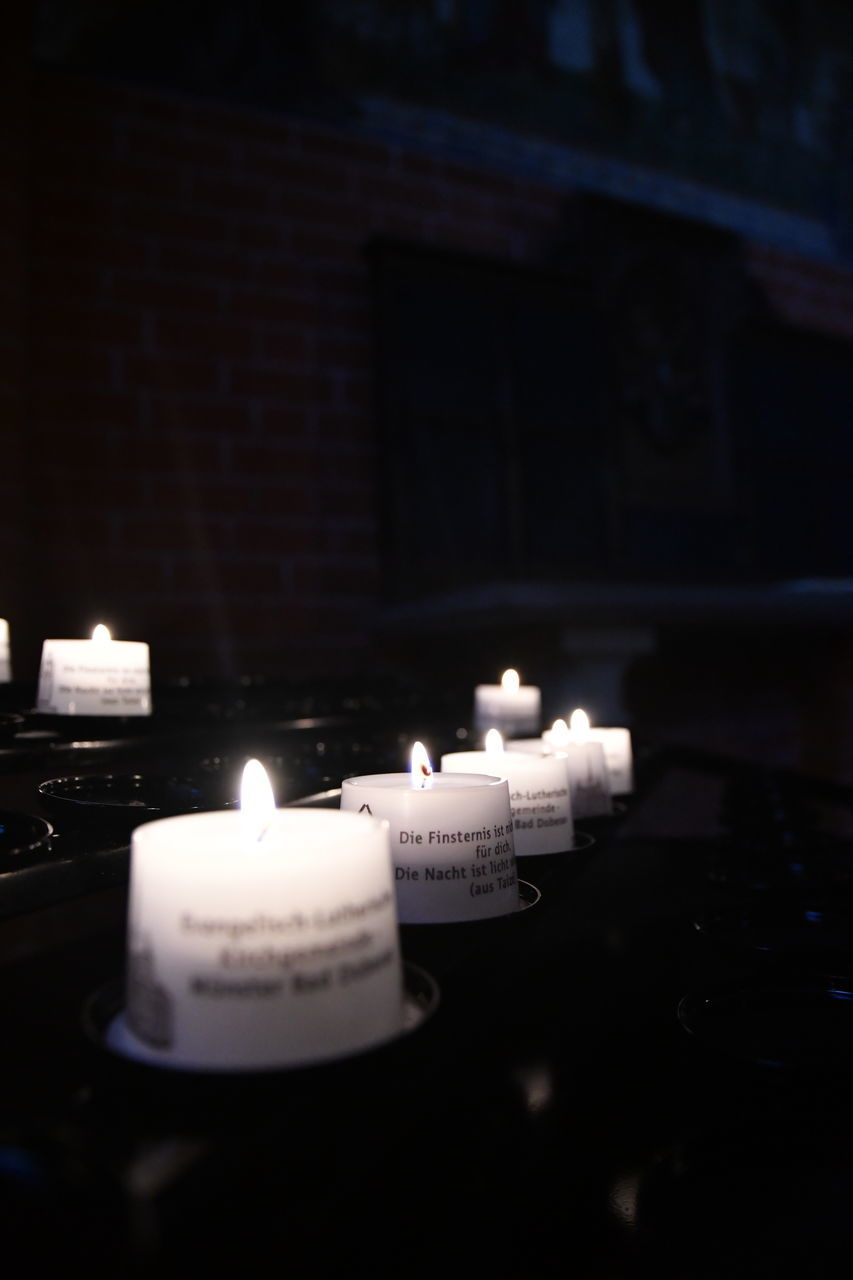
(105, 1026)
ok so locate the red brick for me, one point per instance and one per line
(157, 184)
(166, 372)
(173, 221)
(228, 195)
(278, 536)
(215, 337)
(316, 581)
(212, 261)
(214, 415)
(88, 407)
(224, 498)
(291, 346)
(346, 147)
(254, 234)
(286, 274)
(57, 205)
(158, 291)
(246, 577)
(403, 223)
(267, 460)
(91, 322)
(336, 242)
(273, 380)
(149, 142)
(75, 362)
(350, 351)
(319, 208)
(53, 279)
(107, 249)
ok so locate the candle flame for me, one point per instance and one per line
(560, 736)
(101, 634)
(579, 723)
(421, 767)
(257, 802)
(494, 743)
(510, 680)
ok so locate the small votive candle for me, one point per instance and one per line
(589, 780)
(451, 840)
(538, 792)
(97, 677)
(5, 654)
(260, 938)
(618, 757)
(511, 707)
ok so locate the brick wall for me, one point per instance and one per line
(200, 365)
(198, 453)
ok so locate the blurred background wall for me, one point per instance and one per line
(326, 326)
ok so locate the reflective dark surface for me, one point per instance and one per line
(593, 1096)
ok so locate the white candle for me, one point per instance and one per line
(97, 677)
(538, 793)
(618, 757)
(5, 657)
(510, 706)
(260, 942)
(451, 841)
(589, 780)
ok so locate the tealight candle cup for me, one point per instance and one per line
(280, 952)
(5, 656)
(539, 796)
(94, 678)
(618, 757)
(451, 842)
(510, 710)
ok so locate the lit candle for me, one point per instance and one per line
(618, 756)
(511, 707)
(589, 780)
(617, 751)
(451, 840)
(538, 793)
(5, 657)
(260, 938)
(97, 677)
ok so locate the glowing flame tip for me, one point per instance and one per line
(257, 802)
(579, 723)
(421, 767)
(494, 743)
(101, 633)
(510, 680)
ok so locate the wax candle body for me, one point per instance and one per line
(94, 678)
(277, 953)
(618, 756)
(538, 793)
(5, 656)
(509, 710)
(452, 843)
(589, 781)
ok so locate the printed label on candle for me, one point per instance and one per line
(491, 849)
(82, 677)
(538, 792)
(236, 958)
(535, 810)
(452, 844)
(268, 956)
